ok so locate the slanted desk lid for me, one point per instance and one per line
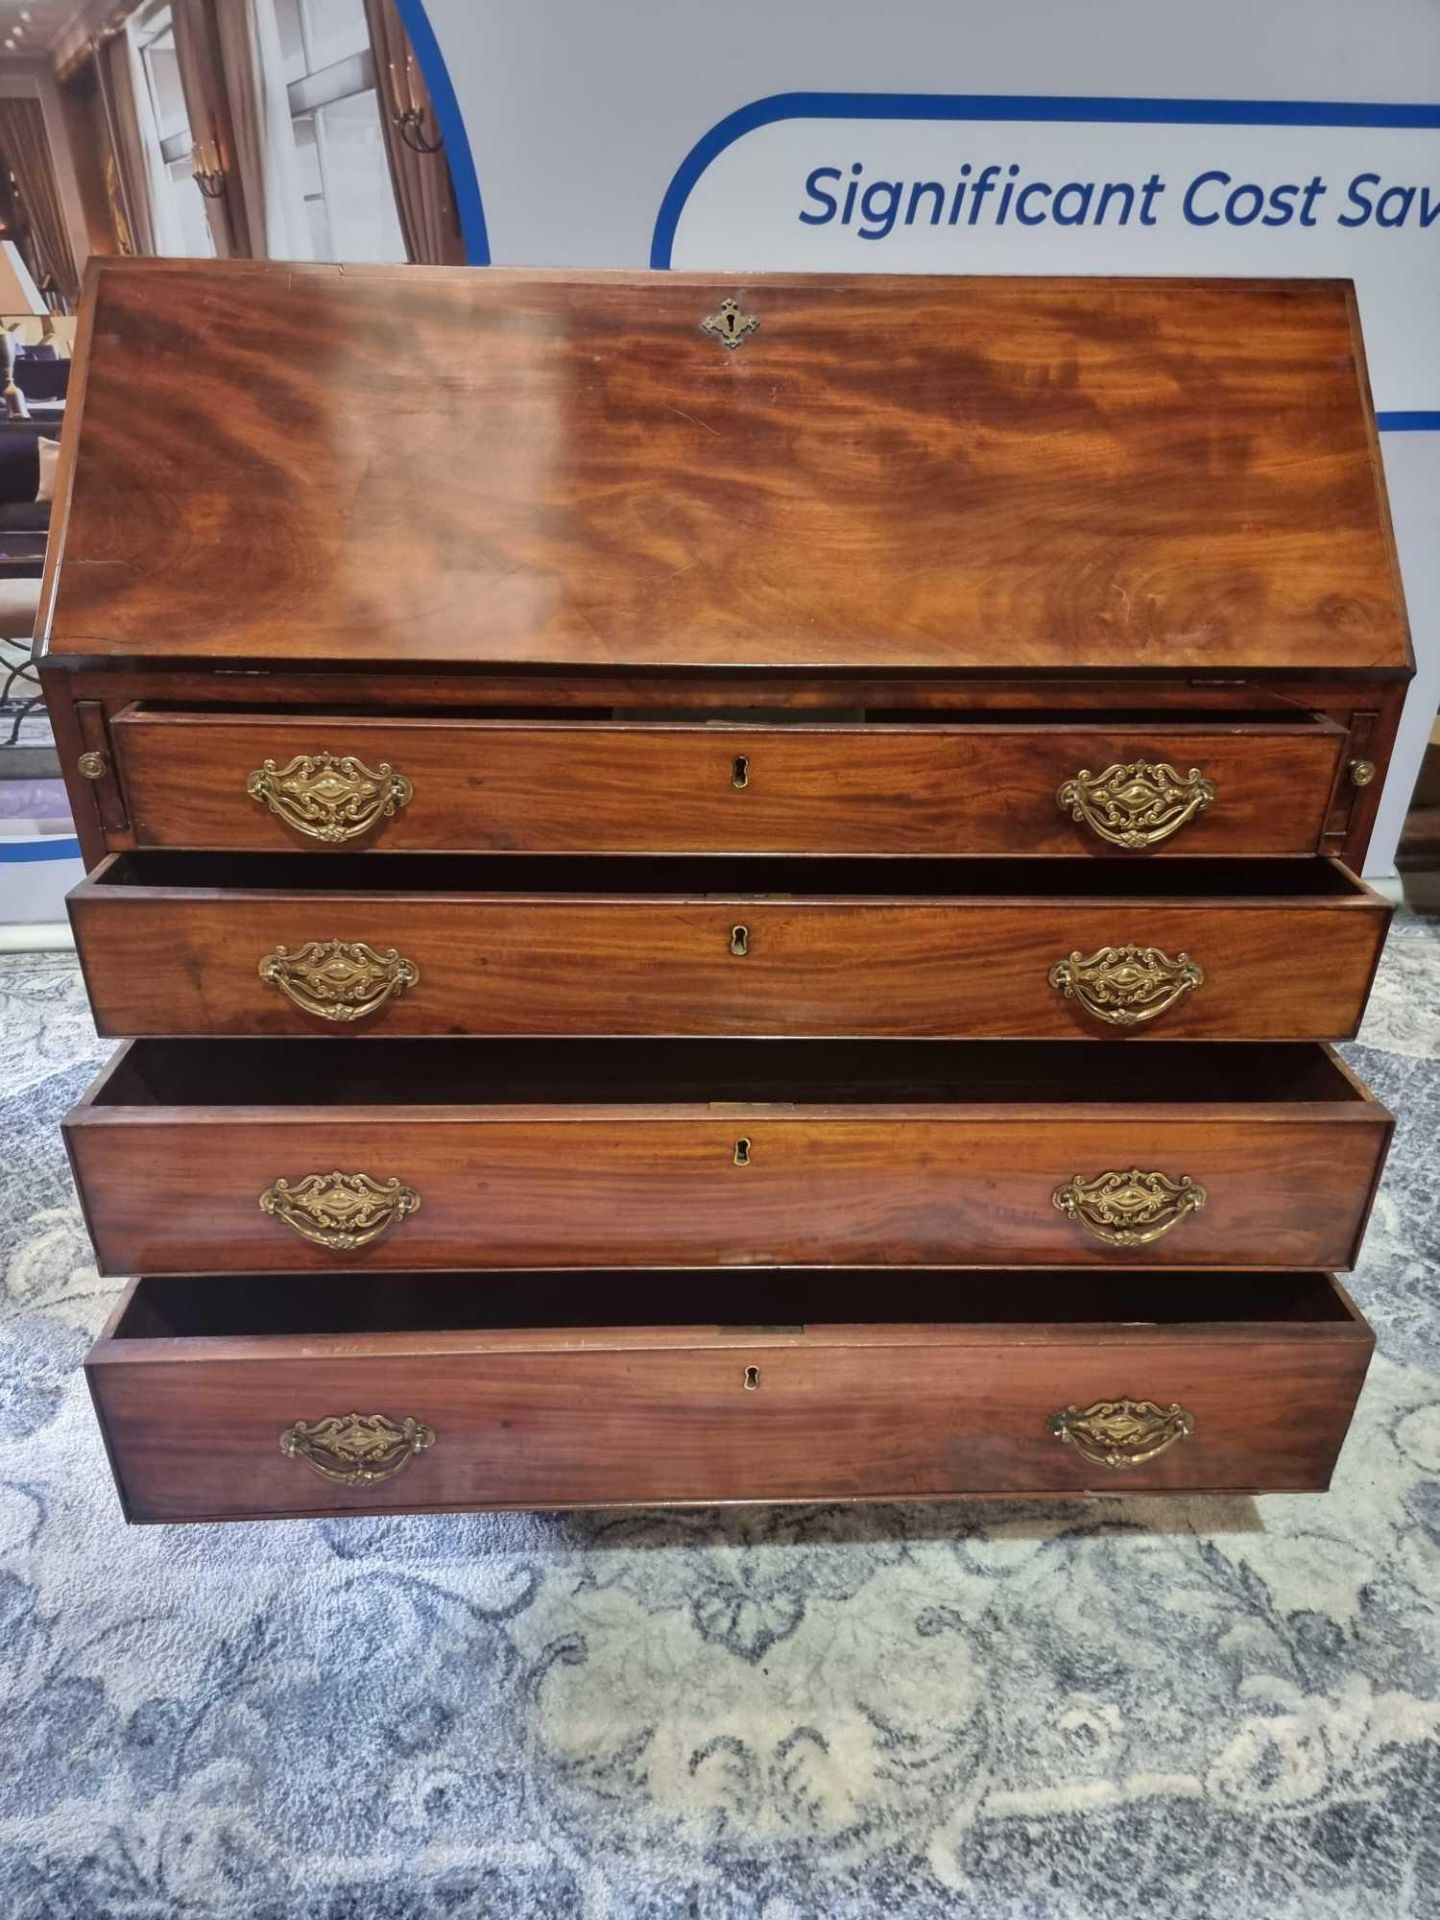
(349, 465)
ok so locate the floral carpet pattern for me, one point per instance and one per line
(1198, 1711)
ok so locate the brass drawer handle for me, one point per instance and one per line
(329, 797)
(1137, 804)
(1129, 1209)
(1122, 1433)
(340, 1211)
(1126, 986)
(355, 1449)
(339, 980)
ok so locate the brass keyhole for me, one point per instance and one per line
(740, 771)
(740, 940)
(751, 1379)
(742, 1152)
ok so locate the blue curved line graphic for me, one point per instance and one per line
(1031, 107)
(452, 126)
(21, 852)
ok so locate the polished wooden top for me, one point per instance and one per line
(309, 463)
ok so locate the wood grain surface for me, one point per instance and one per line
(650, 950)
(1364, 704)
(575, 1416)
(878, 1171)
(563, 468)
(490, 785)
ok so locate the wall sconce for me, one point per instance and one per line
(407, 115)
(410, 123)
(207, 172)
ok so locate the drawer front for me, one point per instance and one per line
(318, 782)
(268, 1428)
(172, 961)
(202, 1192)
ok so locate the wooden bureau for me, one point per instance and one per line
(599, 793)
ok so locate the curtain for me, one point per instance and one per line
(424, 192)
(201, 61)
(269, 180)
(92, 154)
(26, 149)
(127, 174)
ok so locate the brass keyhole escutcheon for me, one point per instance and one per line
(750, 1380)
(740, 771)
(740, 940)
(742, 1152)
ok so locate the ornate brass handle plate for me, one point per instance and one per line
(1126, 986)
(355, 1449)
(341, 1211)
(1129, 1209)
(1122, 1433)
(339, 980)
(330, 797)
(1137, 804)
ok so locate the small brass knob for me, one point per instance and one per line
(91, 766)
(1362, 773)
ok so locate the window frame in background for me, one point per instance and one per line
(326, 83)
(170, 155)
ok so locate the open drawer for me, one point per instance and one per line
(1055, 783)
(176, 943)
(347, 1393)
(265, 1156)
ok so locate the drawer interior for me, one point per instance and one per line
(327, 1071)
(731, 876)
(672, 712)
(742, 1301)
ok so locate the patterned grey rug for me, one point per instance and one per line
(1217, 1711)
